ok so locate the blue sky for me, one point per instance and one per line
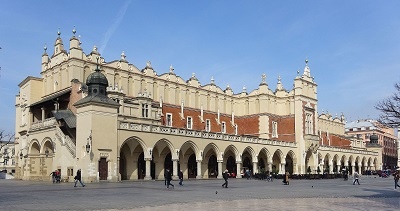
(353, 47)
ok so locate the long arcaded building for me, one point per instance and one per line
(115, 122)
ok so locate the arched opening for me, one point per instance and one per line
(168, 162)
(289, 164)
(231, 164)
(247, 164)
(212, 167)
(261, 165)
(192, 166)
(141, 166)
(276, 161)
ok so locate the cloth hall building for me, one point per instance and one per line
(115, 121)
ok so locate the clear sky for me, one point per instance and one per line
(353, 47)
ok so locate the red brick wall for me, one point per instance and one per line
(248, 125)
(285, 128)
(75, 96)
(335, 140)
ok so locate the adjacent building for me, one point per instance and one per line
(115, 121)
(387, 138)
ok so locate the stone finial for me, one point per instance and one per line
(79, 38)
(244, 89)
(148, 65)
(58, 32)
(123, 56)
(45, 48)
(171, 69)
(74, 31)
(307, 70)
(263, 78)
(279, 86)
(212, 80)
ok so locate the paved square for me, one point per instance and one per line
(241, 194)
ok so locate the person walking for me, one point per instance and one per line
(356, 176)
(225, 176)
(286, 179)
(169, 178)
(180, 175)
(396, 179)
(78, 177)
(165, 178)
(53, 176)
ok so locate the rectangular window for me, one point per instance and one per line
(169, 120)
(274, 129)
(70, 171)
(145, 110)
(208, 125)
(309, 124)
(189, 122)
(223, 127)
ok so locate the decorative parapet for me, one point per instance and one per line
(200, 134)
(50, 122)
(353, 151)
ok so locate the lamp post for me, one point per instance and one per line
(89, 142)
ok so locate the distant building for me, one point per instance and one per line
(387, 138)
(115, 122)
(7, 157)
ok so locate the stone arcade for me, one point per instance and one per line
(118, 122)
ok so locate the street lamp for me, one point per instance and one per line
(89, 141)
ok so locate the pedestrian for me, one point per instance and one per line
(356, 176)
(78, 177)
(165, 178)
(180, 175)
(169, 178)
(53, 176)
(286, 178)
(58, 176)
(225, 175)
(396, 179)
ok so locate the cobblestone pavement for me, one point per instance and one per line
(242, 194)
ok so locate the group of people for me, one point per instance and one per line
(168, 178)
(56, 176)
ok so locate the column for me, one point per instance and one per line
(295, 168)
(353, 168)
(175, 167)
(199, 176)
(255, 168)
(269, 167)
(43, 113)
(330, 167)
(148, 169)
(220, 170)
(282, 168)
(359, 168)
(238, 169)
(338, 169)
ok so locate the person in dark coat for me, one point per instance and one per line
(225, 175)
(180, 175)
(53, 176)
(169, 178)
(78, 177)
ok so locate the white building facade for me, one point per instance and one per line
(115, 122)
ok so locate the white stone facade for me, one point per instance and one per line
(163, 121)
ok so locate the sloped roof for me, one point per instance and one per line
(53, 96)
(67, 116)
